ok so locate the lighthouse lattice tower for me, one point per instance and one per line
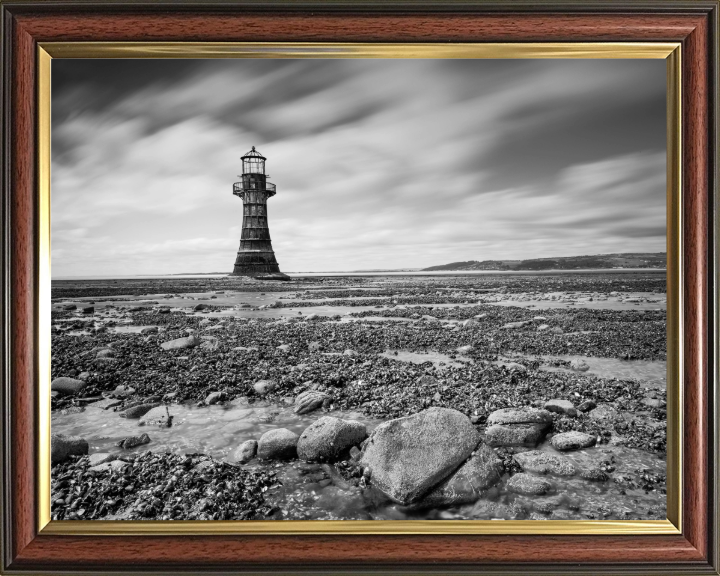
(255, 256)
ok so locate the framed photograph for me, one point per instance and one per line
(480, 336)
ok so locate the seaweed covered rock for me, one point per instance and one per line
(326, 439)
(62, 447)
(278, 444)
(524, 426)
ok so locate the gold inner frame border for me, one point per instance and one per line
(669, 51)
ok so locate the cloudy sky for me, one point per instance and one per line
(378, 163)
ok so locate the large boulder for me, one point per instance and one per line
(406, 457)
(66, 385)
(309, 400)
(327, 438)
(479, 473)
(572, 441)
(158, 416)
(180, 343)
(278, 444)
(544, 463)
(62, 447)
(523, 426)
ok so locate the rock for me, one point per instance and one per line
(604, 412)
(113, 466)
(278, 444)
(430, 319)
(479, 473)
(84, 376)
(246, 451)
(283, 347)
(326, 439)
(133, 441)
(594, 475)
(88, 309)
(514, 325)
(199, 307)
(106, 404)
(122, 391)
(408, 456)
(314, 346)
(529, 485)
(528, 435)
(561, 407)
(263, 387)
(149, 330)
(309, 400)
(544, 463)
(426, 380)
(62, 447)
(470, 323)
(586, 406)
(69, 307)
(72, 410)
(355, 453)
(209, 343)
(524, 426)
(138, 411)
(515, 367)
(465, 349)
(65, 385)
(556, 330)
(180, 343)
(523, 415)
(100, 458)
(579, 365)
(572, 441)
(214, 398)
(548, 504)
(158, 416)
(350, 352)
(654, 403)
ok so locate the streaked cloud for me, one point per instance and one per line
(379, 164)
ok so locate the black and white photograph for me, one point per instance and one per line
(358, 289)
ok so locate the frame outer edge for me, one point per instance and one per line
(713, 274)
(5, 58)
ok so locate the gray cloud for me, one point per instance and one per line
(379, 164)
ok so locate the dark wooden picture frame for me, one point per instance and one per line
(25, 24)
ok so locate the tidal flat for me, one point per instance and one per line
(361, 397)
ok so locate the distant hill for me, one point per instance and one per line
(625, 260)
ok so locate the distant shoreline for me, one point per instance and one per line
(386, 273)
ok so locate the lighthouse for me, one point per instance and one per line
(256, 256)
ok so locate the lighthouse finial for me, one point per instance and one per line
(253, 148)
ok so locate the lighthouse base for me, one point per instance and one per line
(259, 265)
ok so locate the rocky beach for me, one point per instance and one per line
(449, 396)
